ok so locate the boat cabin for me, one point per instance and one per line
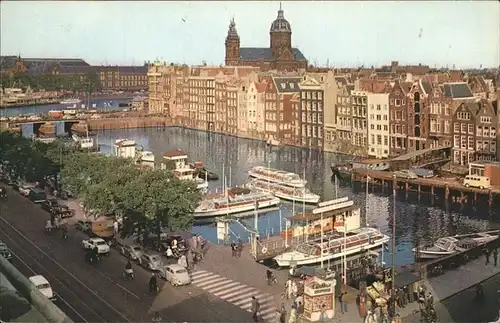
(371, 164)
(345, 217)
(175, 160)
(124, 148)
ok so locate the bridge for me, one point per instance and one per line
(426, 158)
(30, 128)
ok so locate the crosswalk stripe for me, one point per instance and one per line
(207, 278)
(216, 284)
(235, 293)
(240, 291)
(232, 284)
(212, 281)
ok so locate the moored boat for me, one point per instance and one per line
(335, 245)
(235, 201)
(447, 246)
(302, 195)
(147, 156)
(71, 101)
(277, 176)
(202, 172)
(56, 114)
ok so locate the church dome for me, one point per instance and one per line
(280, 24)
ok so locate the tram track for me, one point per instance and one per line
(84, 304)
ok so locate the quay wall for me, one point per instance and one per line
(48, 309)
(127, 123)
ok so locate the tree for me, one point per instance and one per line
(165, 201)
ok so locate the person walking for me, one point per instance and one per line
(233, 249)
(487, 256)
(283, 314)
(255, 309)
(323, 316)
(341, 302)
(293, 314)
(495, 257)
(239, 248)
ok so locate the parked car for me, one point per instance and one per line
(24, 189)
(175, 274)
(49, 205)
(102, 246)
(133, 252)
(43, 285)
(422, 172)
(481, 182)
(37, 195)
(405, 174)
(150, 261)
(5, 251)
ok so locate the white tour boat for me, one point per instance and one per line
(277, 176)
(234, 203)
(447, 246)
(71, 101)
(302, 195)
(335, 245)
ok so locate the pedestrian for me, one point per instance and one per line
(255, 309)
(397, 319)
(295, 289)
(293, 314)
(233, 249)
(240, 248)
(495, 257)
(115, 227)
(487, 256)
(430, 300)
(283, 314)
(300, 308)
(341, 301)
(323, 316)
(288, 289)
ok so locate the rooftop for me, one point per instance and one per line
(457, 90)
(265, 54)
(175, 153)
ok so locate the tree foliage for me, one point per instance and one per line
(146, 200)
(88, 82)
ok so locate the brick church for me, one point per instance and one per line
(279, 56)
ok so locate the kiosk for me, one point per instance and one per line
(319, 292)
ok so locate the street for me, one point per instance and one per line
(464, 308)
(88, 293)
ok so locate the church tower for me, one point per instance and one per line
(232, 45)
(280, 35)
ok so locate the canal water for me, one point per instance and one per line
(415, 223)
(44, 109)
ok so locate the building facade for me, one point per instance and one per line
(279, 56)
(359, 117)
(378, 125)
(123, 78)
(311, 113)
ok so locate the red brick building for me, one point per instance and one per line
(279, 56)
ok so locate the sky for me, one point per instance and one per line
(343, 34)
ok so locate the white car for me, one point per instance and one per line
(175, 274)
(24, 189)
(43, 285)
(102, 246)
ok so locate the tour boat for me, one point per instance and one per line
(277, 176)
(71, 101)
(234, 203)
(335, 245)
(56, 114)
(447, 246)
(302, 195)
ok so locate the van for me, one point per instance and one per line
(477, 181)
(37, 195)
(43, 285)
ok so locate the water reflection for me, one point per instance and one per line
(415, 223)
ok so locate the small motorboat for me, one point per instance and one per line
(447, 246)
(202, 172)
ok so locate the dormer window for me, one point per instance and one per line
(291, 85)
(283, 85)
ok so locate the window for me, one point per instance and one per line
(378, 107)
(386, 140)
(470, 145)
(398, 102)
(479, 131)
(456, 141)
(391, 102)
(446, 126)
(373, 139)
(463, 141)
(471, 129)
(463, 128)
(386, 128)
(379, 140)
(385, 117)
(485, 119)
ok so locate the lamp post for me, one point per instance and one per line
(393, 271)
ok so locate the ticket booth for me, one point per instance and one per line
(319, 292)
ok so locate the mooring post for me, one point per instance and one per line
(407, 189)
(490, 198)
(446, 197)
(419, 188)
(432, 194)
(383, 186)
